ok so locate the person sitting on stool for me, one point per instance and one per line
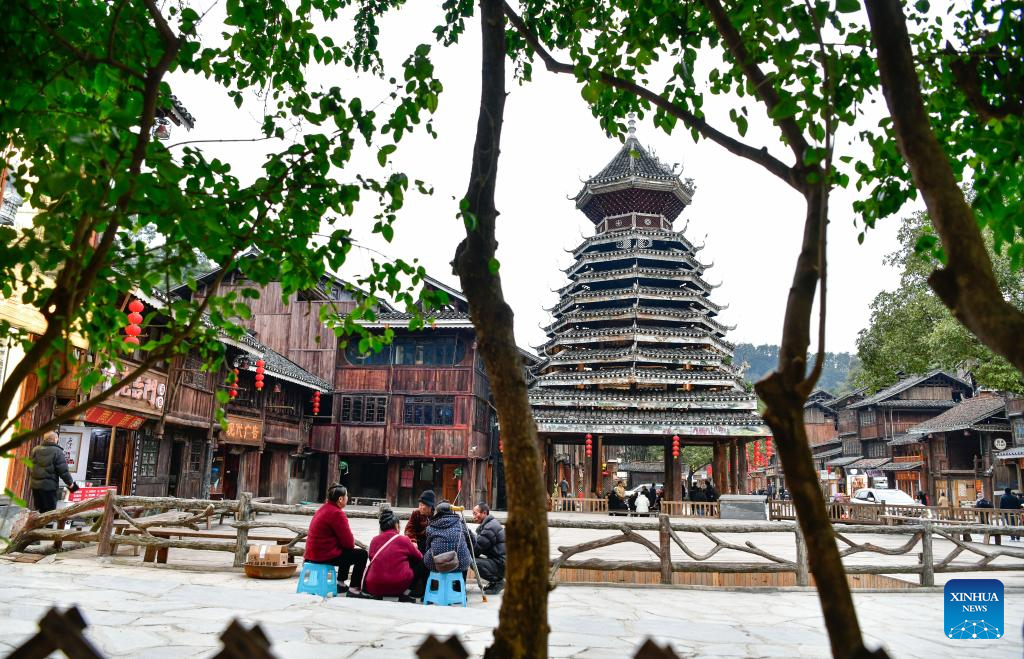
(489, 544)
(330, 541)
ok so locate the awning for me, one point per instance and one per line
(842, 462)
(1011, 454)
(903, 440)
(869, 463)
(902, 466)
(831, 453)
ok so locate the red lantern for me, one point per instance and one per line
(133, 330)
(589, 445)
(259, 374)
(233, 392)
(675, 446)
(768, 447)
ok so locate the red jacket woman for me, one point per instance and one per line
(396, 565)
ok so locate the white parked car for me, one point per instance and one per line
(641, 486)
(879, 495)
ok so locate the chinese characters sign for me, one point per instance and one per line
(84, 493)
(145, 394)
(107, 417)
(243, 431)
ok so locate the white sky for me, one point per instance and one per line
(750, 222)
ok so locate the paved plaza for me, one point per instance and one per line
(178, 610)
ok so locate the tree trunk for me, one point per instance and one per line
(522, 622)
(966, 284)
(785, 391)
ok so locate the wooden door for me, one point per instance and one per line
(450, 484)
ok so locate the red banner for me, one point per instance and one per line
(108, 417)
(85, 493)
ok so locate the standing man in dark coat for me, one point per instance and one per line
(489, 545)
(1010, 501)
(49, 467)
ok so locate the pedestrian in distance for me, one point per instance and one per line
(943, 501)
(642, 505)
(395, 568)
(489, 547)
(652, 498)
(416, 527)
(564, 488)
(49, 467)
(922, 497)
(330, 541)
(1010, 501)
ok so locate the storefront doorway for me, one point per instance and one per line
(110, 458)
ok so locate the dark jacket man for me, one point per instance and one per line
(489, 543)
(1010, 501)
(49, 467)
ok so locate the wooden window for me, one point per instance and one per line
(149, 455)
(364, 409)
(191, 375)
(875, 450)
(429, 351)
(429, 411)
(195, 456)
(1018, 432)
(851, 446)
(382, 358)
(867, 417)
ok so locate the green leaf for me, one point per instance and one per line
(847, 6)
(493, 266)
(382, 154)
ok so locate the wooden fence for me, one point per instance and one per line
(600, 505)
(919, 535)
(883, 513)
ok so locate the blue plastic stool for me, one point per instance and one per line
(445, 588)
(318, 579)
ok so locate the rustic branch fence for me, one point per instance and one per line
(883, 513)
(918, 536)
(115, 520)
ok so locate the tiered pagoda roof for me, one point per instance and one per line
(634, 348)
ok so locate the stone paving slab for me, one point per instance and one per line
(137, 610)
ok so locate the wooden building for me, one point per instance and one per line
(868, 427)
(957, 450)
(635, 353)
(1011, 455)
(821, 421)
(417, 415)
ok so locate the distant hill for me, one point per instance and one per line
(764, 358)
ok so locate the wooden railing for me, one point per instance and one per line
(671, 508)
(770, 562)
(883, 513)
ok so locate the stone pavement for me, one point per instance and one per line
(178, 610)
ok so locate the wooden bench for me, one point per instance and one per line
(159, 554)
(236, 515)
(368, 501)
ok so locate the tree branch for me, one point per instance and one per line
(763, 87)
(690, 120)
(966, 284)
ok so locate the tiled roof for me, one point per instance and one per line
(647, 417)
(902, 466)
(835, 441)
(964, 415)
(280, 366)
(842, 462)
(446, 318)
(917, 403)
(869, 463)
(1011, 453)
(844, 400)
(903, 385)
(828, 454)
(906, 439)
(633, 160)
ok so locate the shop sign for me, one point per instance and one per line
(108, 417)
(242, 430)
(145, 394)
